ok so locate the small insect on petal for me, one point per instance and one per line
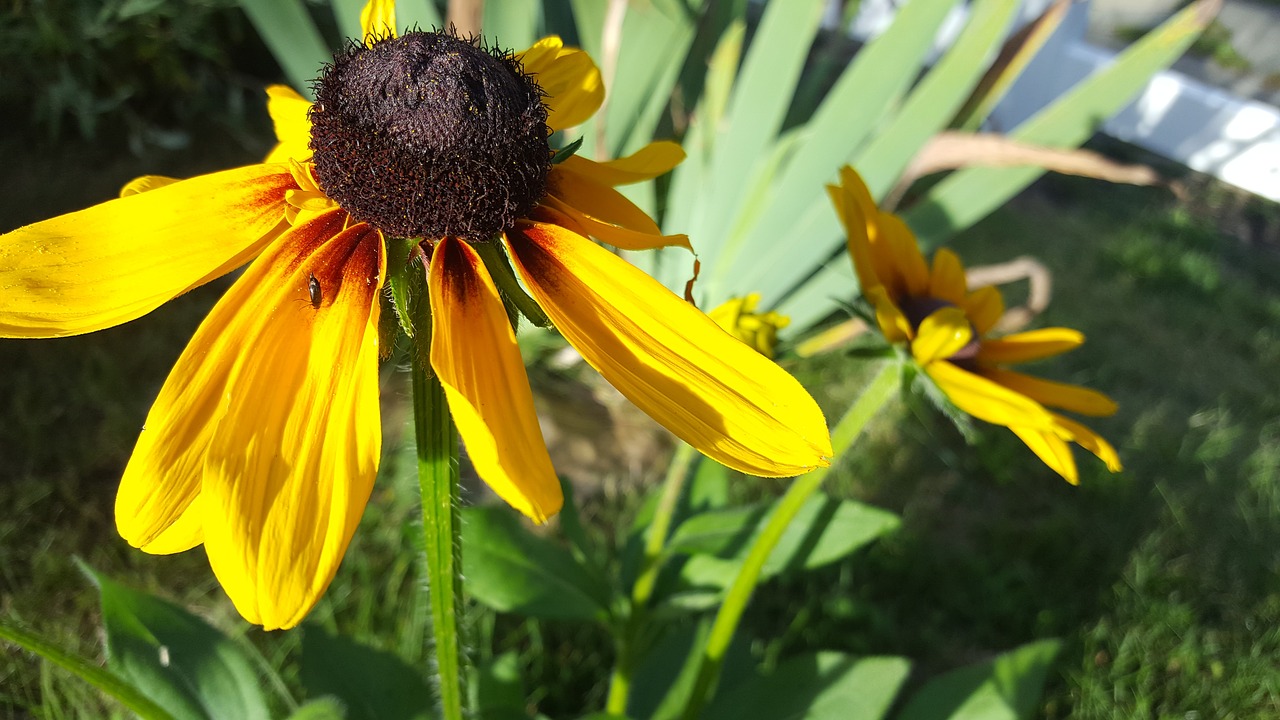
(313, 289)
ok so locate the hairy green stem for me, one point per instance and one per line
(874, 397)
(650, 565)
(437, 441)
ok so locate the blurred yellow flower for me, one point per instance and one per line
(264, 441)
(930, 309)
(739, 318)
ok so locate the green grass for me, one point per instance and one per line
(1160, 579)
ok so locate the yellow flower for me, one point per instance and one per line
(931, 309)
(739, 318)
(264, 441)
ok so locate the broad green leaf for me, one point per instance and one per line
(822, 686)
(292, 38)
(937, 97)
(511, 24)
(966, 196)
(665, 675)
(177, 659)
(1005, 688)
(325, 708)
(497, 692)
(863, 95)
(512, 570)
(709, 486)
(371, 684)
(823, 531)
(105, 681)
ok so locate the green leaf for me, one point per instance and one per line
(177, 659)
(512, 570)
(863, 95)
(511, 24)
(1005, 688)
(107, 682)
(966, 196)
(292, 37)
(371, 683)
(418, 14)
(347, 14)
(769, 73)
(822, 686)
(497, 693)
(325, 708)
(709, 486)
(823, 531)
(937, 97)
(665, 674)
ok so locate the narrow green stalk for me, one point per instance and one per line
(725, 625)
(437, 440)
(650, 565)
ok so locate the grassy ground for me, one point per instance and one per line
(1162, 580)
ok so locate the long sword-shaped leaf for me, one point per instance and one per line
(761, 94)
(512, 24)
(418, 13)
(862, 96)
(937, 97)
(292, 37)
(967, 196)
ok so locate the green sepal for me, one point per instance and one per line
(410, 299)
(514, 298)
(566, 152)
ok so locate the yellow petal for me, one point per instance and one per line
(474, 353)
(941, 335)
(985, 307)
(289, 114)
(947, 280)
(714, 392)
(163, 477)
(650, 161)
(893, 323)
(602, 212)
(1091, 441)
(117, 261)
(145, 184)
(1030, 345)
(900, 252)
(378, 18)
(987, 400)
(1053, 450)
(850, 199)
(293, 456)
(572, 83)
(1054, 394)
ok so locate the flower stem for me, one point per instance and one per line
(843, 435)
(650, 565)
(437, 441)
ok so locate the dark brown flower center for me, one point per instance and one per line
(428, 135)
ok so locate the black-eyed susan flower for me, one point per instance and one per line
(264, 441)
(931, 309)
(739, 318)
